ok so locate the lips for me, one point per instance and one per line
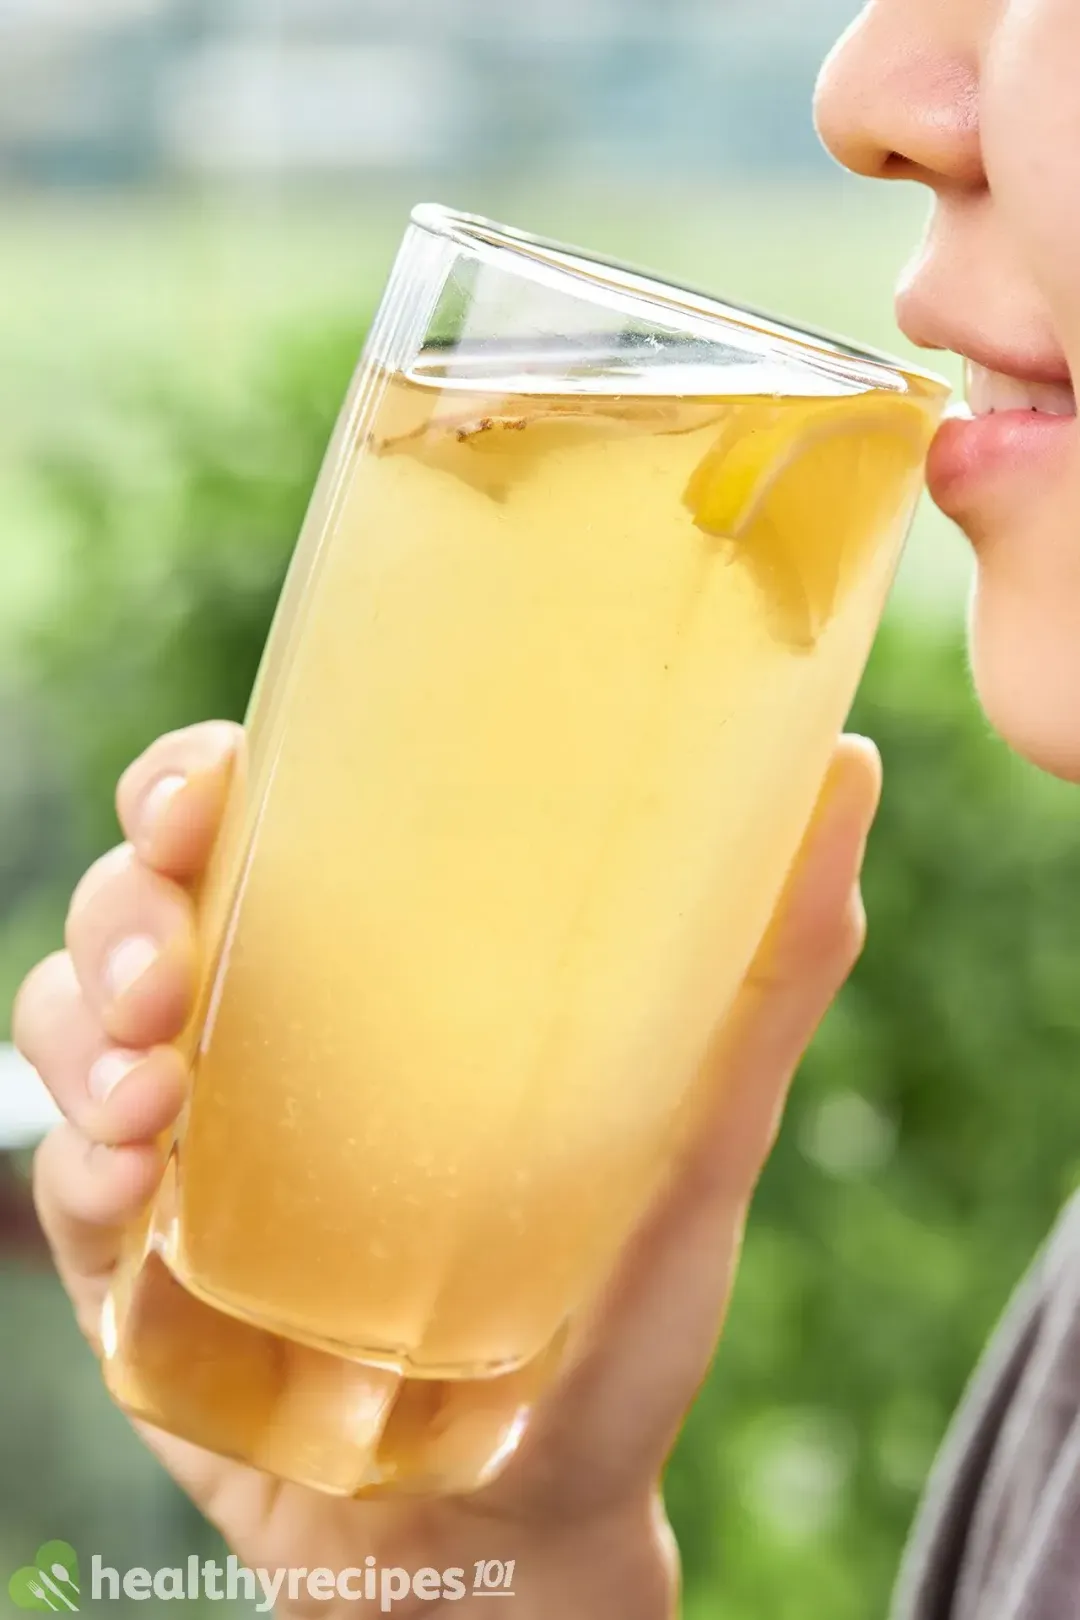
(1016, 427)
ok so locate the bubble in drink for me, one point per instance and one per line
(538, 734)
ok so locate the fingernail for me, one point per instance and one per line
(127, 964)
(159, 801)
(218, 743)
(110, 1068)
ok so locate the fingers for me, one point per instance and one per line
(96, 1021)
(112, 1095)
(643, 1352)
(131, 927)
(171, 801)
(95, 1173)
(131, 937)
(86, 1196)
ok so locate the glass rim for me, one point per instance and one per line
(488, 239)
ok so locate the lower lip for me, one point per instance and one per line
(970, 453)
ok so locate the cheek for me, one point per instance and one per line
(1026, 614)
(1030, 116)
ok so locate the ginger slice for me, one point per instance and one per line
(496, 446)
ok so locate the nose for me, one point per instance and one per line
(897, 100)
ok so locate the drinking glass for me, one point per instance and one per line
(588, 583)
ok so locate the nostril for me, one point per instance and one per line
(897, 167)
(896, 101)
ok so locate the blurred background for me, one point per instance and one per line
(199, 201)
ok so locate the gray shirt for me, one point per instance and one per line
(998, 1537)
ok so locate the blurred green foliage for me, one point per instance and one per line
(932, 1134)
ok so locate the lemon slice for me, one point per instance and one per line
(804, 491)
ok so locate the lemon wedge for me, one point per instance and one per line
(803, 491)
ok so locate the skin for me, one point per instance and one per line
(579, 1507)
(976, 100)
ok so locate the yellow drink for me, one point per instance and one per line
(525, 829)
(549, 700)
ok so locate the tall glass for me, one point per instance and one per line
(587, 586)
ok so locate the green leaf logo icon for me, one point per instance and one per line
(50, 1585)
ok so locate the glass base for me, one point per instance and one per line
(300, 1414)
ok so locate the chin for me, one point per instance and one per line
(1025, 658)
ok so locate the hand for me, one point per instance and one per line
(579, 1507)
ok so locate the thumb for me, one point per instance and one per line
(645, 1348)
(821, 899)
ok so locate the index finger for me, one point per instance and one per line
(172, 799)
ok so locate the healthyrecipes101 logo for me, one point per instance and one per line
(50, 1583)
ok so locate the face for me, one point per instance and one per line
(979, 101)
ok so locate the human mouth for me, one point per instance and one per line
(1013, 427)
(994, 393)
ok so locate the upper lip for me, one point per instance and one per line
(935, 330)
